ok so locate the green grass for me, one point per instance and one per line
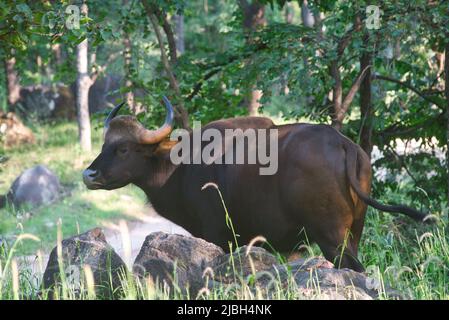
(80, 209)
(412, 258)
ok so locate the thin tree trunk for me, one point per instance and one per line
(307, 16)
(254, 104)
(308, 20)
(341, 103)
(337, 96)
(56, 48)
(135, 107)
(12, 81)
(162, 17)
(288, 13)
(83, 83)
(253, 17)
(179, 32)
(446, 91)
(365, 103)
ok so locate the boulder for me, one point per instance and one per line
(190, 264)
(79, 253)
(35, 186)
(13, 132)
(175, 261)
(317, 278)
(242, 263)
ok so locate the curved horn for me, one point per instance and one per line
(111, 115)
(155, 136)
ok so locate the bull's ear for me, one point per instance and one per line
(164, 147)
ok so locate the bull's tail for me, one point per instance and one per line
(351, 169)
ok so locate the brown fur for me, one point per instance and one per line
(319, 194)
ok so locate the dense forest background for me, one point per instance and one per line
(376, 70)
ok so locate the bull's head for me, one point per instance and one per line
(126, 151)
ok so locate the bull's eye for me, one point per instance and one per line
(122, 150)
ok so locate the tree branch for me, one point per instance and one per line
(162, 16)
(353, 90)
(180, 111)
(346, 39)
(200, 83)
(410, 87)
(403, 165)
(97, 69)
(217, 67)
(398, 130)
(341, 106)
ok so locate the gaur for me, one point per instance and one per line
(320, 191)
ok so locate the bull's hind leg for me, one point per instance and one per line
(342, 255)
(339, 249)
(357, 226)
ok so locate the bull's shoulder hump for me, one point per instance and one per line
(305, 131)
(241, 122)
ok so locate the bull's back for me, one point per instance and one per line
(310, 183)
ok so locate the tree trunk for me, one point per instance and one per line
(135, 107)
(12, 81)
(306, 15)
(446, 91)
(288, 13)
(341, 103)
(83, 83)
(366, 104)
(308, 20)
(179, 32)
(253, 17)
(56, 48)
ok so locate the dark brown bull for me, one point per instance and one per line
(320, 191)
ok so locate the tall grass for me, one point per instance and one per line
(411, 258)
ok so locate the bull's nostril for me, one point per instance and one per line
(93, 174)
(90, 174)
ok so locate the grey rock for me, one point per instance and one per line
(176, 261)
(35, 186)
(242, 263)
(87, 249)
(316, 278)
(190, 264)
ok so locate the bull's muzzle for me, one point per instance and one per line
(89, 178)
